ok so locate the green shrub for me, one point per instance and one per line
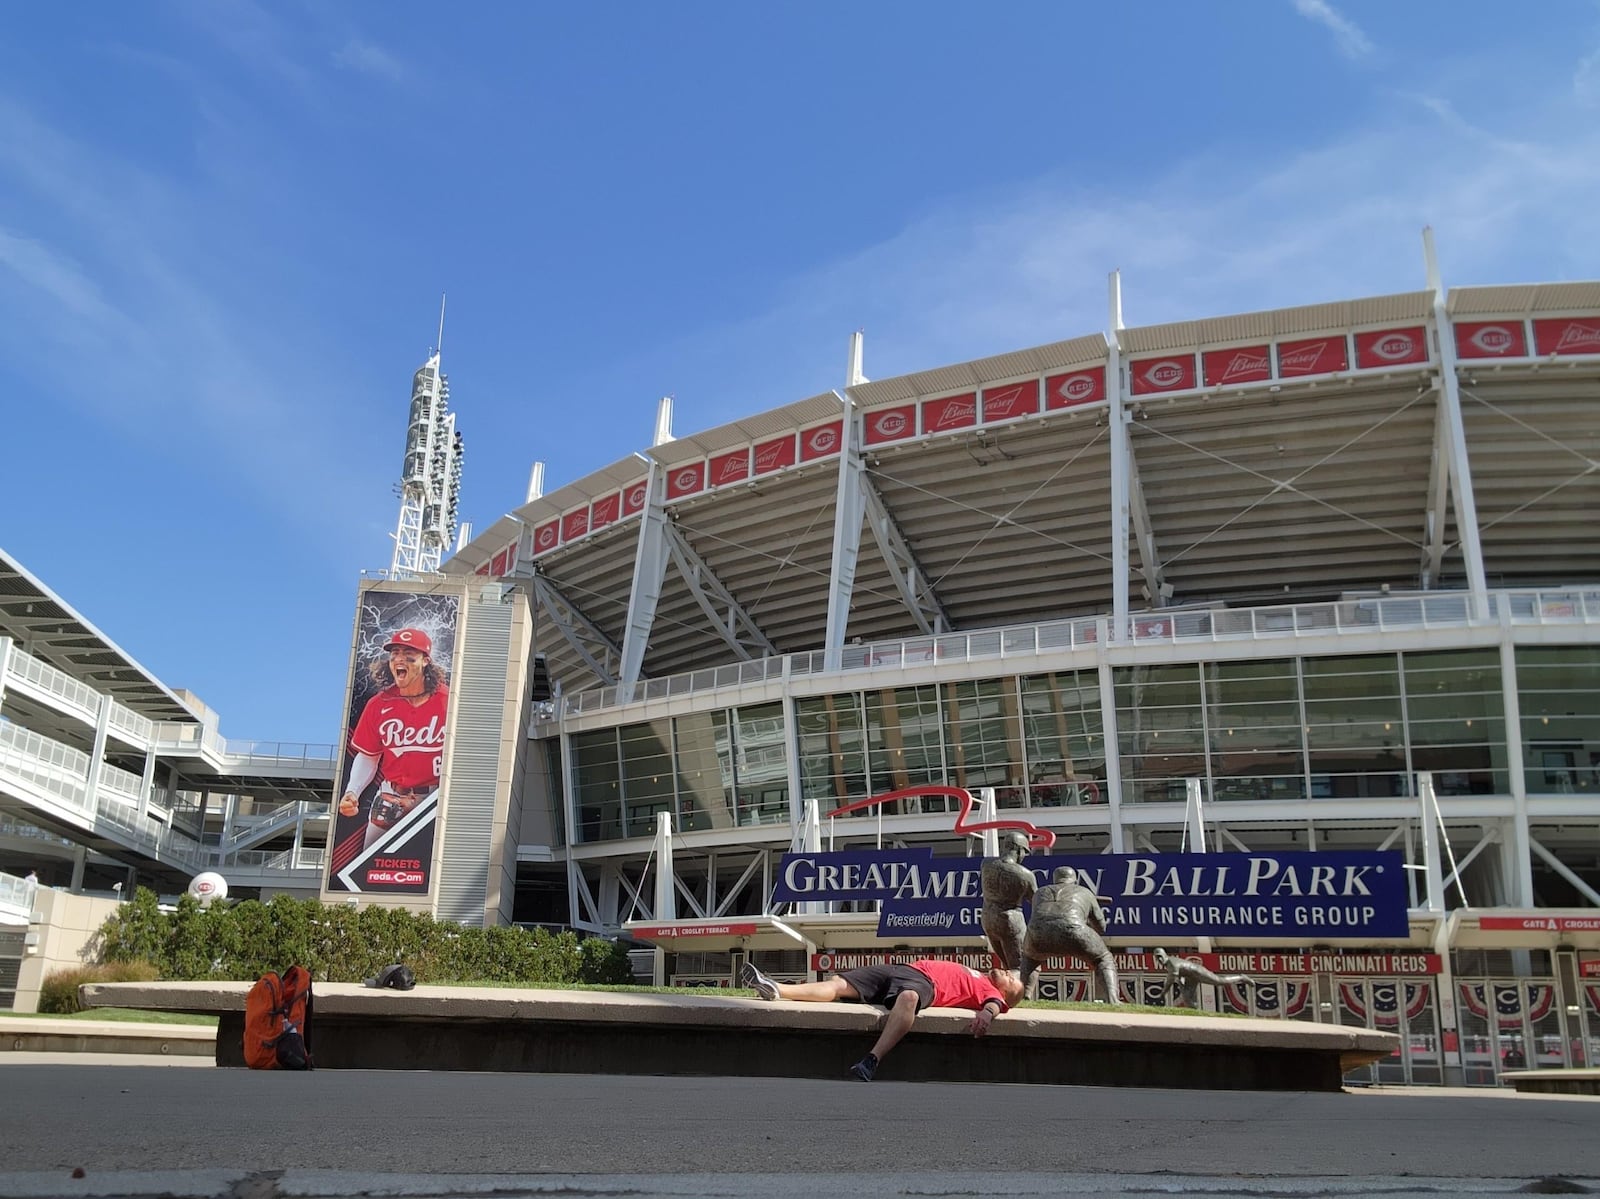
(58, 993)
(604, 962)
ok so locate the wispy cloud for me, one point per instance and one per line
(1586, 79)
(367, 58)
(1352, 42)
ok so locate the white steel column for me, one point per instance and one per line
(1108, 731)
(1120, 464)
(1429, 805)
(5, 663)
(97, 758)
(849, 510)
(1522, 838)
(1466, 507)
(147, 783)
(649, 572)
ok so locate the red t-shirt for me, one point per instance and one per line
(955, 985)
(406, 738)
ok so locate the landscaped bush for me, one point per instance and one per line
(58, 993)
(336, 943)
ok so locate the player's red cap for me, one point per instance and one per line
(411, 639)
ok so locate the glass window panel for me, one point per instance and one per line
(597, 785)
(705, 771)
(831, 749)
(761, 767)
(983, 735)
(904, 737)
(1558, 691)
(1063, 738)
(648, 785)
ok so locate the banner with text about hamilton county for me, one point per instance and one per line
(1333, 896)
(387, 800)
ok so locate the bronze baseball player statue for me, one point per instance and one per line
(1007, 885)
(1068, 920)
(1184, 976)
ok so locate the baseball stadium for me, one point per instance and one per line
(1319, 580)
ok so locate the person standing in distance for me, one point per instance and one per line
(400, 735)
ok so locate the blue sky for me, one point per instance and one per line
(225, 227)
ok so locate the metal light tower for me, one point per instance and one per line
(430, 480)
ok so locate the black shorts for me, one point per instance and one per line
(883, 984)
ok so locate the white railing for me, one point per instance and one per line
(265, 824)
(1449, 609)
(120, 781)
(48, 765)
(78, 695)
(17, 893)
(193, 738)
(283, 859)
(138, 728)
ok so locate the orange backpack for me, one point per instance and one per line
(277, 1021)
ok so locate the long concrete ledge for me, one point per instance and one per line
(602, 1032)
(41, 1034)
(1571, 1081)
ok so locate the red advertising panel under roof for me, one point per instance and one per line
(1313, 356)
(1567, 335)
(1491, 339)
(686, 480)
(890, 424)
(1172, 372)
(604, 510)
(1391, 347)
(775, 454)
(952, 412)
(1242, 364)
(574, 524)
(634, 496)
(482, 570)
(498, 567)
(730, 468)
(1011, 401)
(1074, 388)
(547, 536)
(824, 441)
(1540, 924)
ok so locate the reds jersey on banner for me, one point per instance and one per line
(388, 798)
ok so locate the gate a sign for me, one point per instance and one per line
(1325, 896)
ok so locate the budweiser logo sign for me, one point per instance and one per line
(957, 412)
(1004, 403)
(1246, 362)
(771, 456)
(892, 424)
(1303, 359)
(1579, 339)
(731, 470)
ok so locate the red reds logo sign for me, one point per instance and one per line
(891, 425)
(634, 497)
(685, 480)
(1498, 339)
(1322, 356)
(1391, 347)
(546, 536)
(1567, 335)
(1163, 374)
(1080, 387)
(821, 441)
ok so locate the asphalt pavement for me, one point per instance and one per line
(140, 1126)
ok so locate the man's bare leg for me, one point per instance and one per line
(901, 1017)
(828, 991)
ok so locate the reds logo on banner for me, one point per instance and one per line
(1509, 1001)
(547, 536)
(574, 524)
(1491, 339)
(775, 454)
(1314, 356)
(730, 468)
(1248, 364)
(821, 442)
(633, 497)
(1281, 997)
(686, 480)
(891, 424)
(953, 412)
(1011, 401)
(1383, 999)
(1567, 335)
(1063, 989)
(1151, 992)
(1391, 347)
(1172, 373)
(603, 511)
(1070, 390)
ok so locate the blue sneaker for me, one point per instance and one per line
(758, 982)
(865, 1068)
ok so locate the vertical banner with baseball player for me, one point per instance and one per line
(386, 802)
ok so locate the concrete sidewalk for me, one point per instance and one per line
(48, 1034)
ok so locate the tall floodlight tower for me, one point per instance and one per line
(430, 480)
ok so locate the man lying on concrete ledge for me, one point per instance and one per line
(905, 991)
